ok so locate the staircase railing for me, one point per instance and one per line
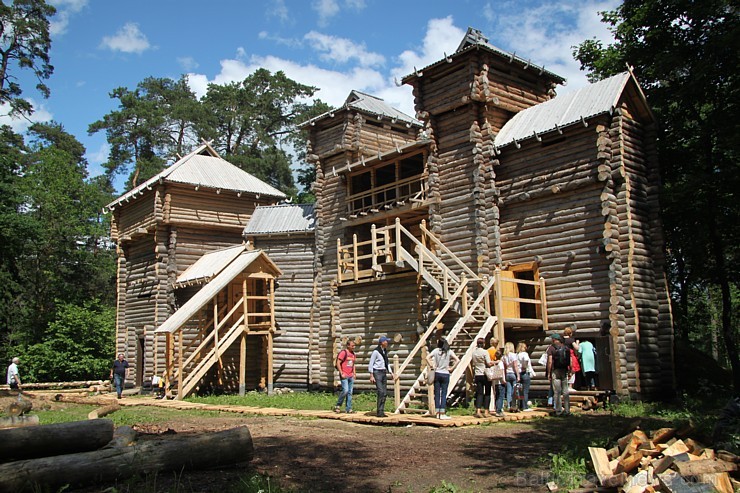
(451, 335)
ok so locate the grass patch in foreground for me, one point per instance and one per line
(125, 416)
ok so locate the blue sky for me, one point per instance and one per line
(336, 45)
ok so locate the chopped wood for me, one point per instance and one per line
(721, 481)
(695, 447)
(662, 435)
(692, 468)
(728, 456)
(672, 482)
(613, 453)
(676, 448)
(601, 463)
(122, 437)
(552, 486)
(628, 463)
(662, 464)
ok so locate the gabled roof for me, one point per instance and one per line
(369, 105)
(572, 108)
(204, 168)
(281, 219)
(206, 267)
(225, 275)
(474, 39)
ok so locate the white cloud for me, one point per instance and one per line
(330, 8)
(20, 124)
(342, 50)
(100, 156)
(543, 35)
(128, 39)
(442, 37)
(187, 63)
(65, 9)
(277, 8)
(326, 10)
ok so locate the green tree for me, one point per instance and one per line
(25, 44)
(250, 122)
(80, 345)
(686, 55)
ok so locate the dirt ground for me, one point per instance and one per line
(317, 455)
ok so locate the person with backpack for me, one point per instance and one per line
(345, 365)
(558, 371)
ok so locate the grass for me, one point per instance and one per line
(124, 416)
(295, 400)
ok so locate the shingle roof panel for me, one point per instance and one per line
(279, 219)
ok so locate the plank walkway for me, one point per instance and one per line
(359, 417)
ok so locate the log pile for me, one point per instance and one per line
(90, 452)
(667, 460)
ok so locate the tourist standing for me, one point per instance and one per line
(525, 373)
(587, 353)
(439, 359)
(345, 365)
(558, 369)
(480, 360)
(511, 367)
(380, 370)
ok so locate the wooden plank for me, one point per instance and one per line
(704, 466)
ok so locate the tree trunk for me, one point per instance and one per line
(16, 408)
(174, 454)
(56, 439)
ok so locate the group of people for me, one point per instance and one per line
(501, 375)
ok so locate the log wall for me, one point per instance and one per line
(294, 255)
(353, 135)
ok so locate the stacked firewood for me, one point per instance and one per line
(667, 460)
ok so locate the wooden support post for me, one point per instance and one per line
(464, 295)
(543, 306)
(269, 363)
(180, 368)
(430, 388)
(339, 261)
(374, 247)
(396, 382)
(354, 259)
(499, 307)
(269, 336)
(487, 300)
(243, 364)
(398, 238)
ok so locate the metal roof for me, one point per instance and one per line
(281, 219)
(204, 168)
(474, 39)
(207, 292)
(206, 267)
(561, 111)
(368, 104)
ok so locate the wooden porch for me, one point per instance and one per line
(238, 304)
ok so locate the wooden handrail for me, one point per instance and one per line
(446, 250)
(430, 329)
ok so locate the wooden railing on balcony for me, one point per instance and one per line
(384, 197)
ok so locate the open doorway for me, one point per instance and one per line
(140, 360)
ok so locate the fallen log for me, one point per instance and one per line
(174, 454)
(103, 411)
(54, 439)
(18, 407)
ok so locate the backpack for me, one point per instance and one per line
(561, 357)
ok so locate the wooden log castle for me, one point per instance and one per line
(500, 210)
